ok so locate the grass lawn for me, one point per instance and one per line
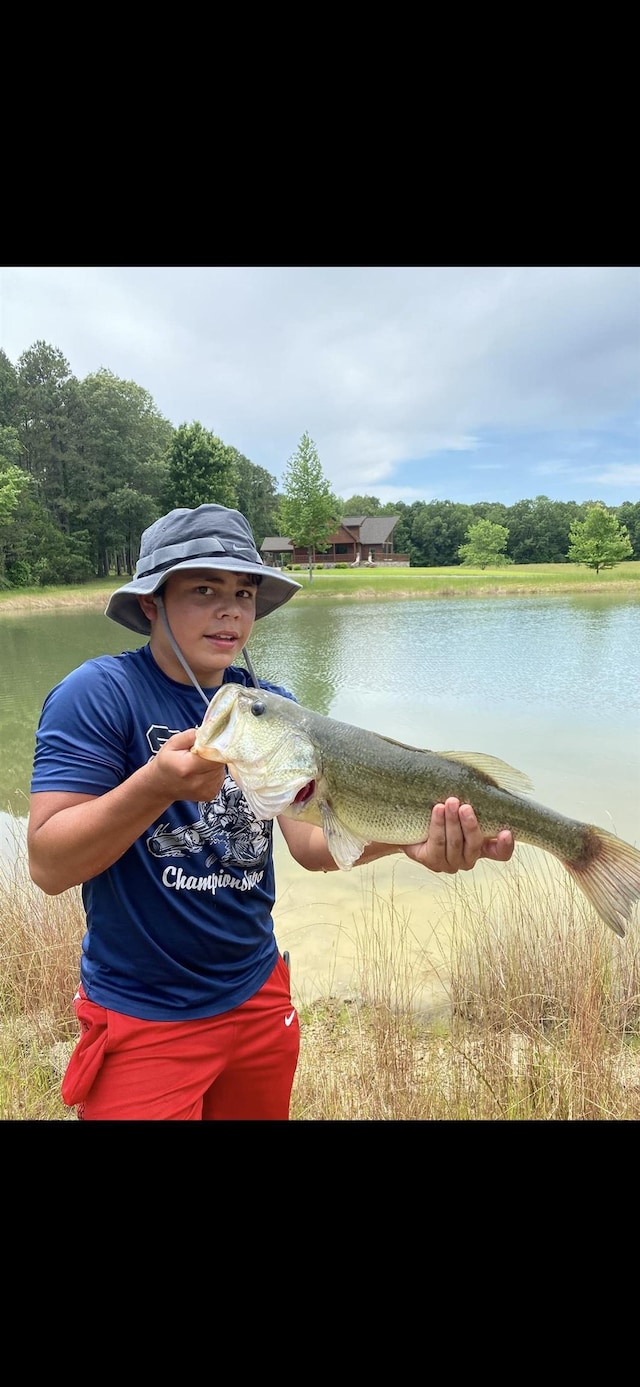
(518, 579)
(375, 583)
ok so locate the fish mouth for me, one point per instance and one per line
(305, 793)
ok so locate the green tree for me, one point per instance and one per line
(125, 514)
(437, 532)
(495, 511)
(38, 552)
(485, 546)
(309, 511)
(10, 448)
(539, 529)
(257, 496)
(599, 541)
(200, 469)
(8, 391)
(13, 483)
(45, 405)
(628, 514)
(362, 505)
(121, 441)
(366, 505)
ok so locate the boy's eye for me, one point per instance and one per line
(206, 590)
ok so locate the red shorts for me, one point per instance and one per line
(237, 1066)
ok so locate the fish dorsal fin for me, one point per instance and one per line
(504, 776)
(500, 774)
(406, 746)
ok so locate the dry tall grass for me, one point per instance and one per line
(40, 938)
(543, 1021)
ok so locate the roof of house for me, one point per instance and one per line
(376, 529)
(276, 544)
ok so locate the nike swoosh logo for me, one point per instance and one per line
(289, 1019)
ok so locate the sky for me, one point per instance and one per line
(460, 383)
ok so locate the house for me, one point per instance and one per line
(374, 535)
(359, 539)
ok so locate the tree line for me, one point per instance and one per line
(86, 465)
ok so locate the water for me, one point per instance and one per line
(551, 685)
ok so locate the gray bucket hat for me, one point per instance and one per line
(207, 537)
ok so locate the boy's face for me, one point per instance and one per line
(211, 614)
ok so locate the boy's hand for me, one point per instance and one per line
(456, 842)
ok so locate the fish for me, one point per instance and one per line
(361, 787)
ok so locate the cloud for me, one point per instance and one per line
(382, 366)
(626, 475)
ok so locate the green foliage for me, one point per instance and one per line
(67, 560)
(120, 442)
(362, 505)
(485, 545)
(8, 391)
(309, 511)
(599, 541)
(47, 407)
(35, 549)
(491, 510)
(10, 448)
(437, 531)
(13, 484)
(628, 514)
(257, 496)
(539, 529)
(200, 469)
(124, 515)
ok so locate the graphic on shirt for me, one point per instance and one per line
(157, 736)
(241, 839)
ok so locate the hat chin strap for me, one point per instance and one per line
(178, 653)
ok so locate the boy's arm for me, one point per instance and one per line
(73, 837)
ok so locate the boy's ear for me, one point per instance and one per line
(149, 608)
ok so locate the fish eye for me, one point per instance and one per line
(257, 709)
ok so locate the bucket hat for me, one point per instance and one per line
(207, 537)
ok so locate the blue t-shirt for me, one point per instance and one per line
(180, 926)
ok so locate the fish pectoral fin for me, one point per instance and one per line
(344, 845)
(502, 775)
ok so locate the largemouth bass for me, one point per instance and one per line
(361, 787)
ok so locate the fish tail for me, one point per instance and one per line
(608, 871)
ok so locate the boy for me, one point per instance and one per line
(184, 1002)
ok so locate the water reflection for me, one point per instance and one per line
(309, 651)
(578, 654)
